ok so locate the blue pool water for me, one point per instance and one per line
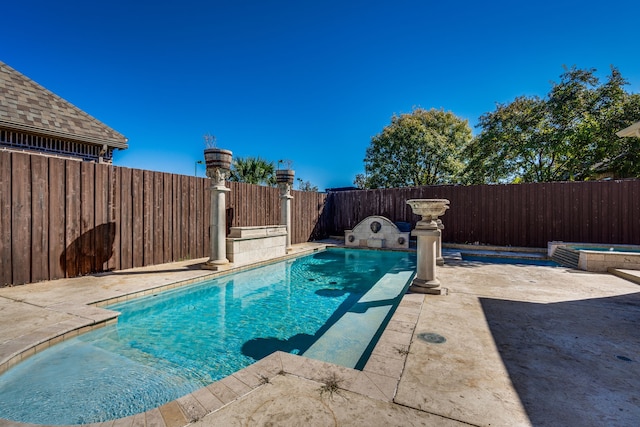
(331, 305)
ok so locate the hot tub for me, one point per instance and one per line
(600, 257)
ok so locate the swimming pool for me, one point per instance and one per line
(331, 305)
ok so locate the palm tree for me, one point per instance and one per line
(253, 170)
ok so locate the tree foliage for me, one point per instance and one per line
(306, 185)
(420, 148)
(568, 135)
(253, 170)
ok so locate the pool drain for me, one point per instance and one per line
(432, 338)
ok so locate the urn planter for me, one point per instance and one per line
(218, 158)
(429, 210)
(285, 176)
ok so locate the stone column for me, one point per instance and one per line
(439, 258)
(427, 234)
(285, 210)
(218, 170)
(284, 177)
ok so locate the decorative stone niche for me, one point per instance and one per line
(376, 232)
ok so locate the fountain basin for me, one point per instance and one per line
(429, 209)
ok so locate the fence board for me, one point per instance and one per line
(158, 218)
(115, 215)
(126, 219)
(191, 217)
(137, 200)
(527, 216)
(40, 218)
(184, 218)
(147, 217)
(21, 218)
(57, 217)
(86, 244)
(104, 229)
(176, 230)
(168, 218)
(615, 204)
(72, 216)
(634, 214)
(6, 184)
(199, 203)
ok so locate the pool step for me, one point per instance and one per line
(566, 257)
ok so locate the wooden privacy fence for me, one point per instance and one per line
(64, 218)
(508, 215)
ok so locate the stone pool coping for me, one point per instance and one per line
(83, 312)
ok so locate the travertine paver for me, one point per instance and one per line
(527, 346)
(290, 401)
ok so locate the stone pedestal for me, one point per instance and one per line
(284, 178)
(425, 281)
(428, 237)
(218, 219)
(285, 213)
(439, 258)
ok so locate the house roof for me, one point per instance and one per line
(28, 107)
(633, 130)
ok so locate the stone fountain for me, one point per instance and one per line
(428, 235)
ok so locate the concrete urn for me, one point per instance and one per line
(285, 176)
(429, 210)
(217, 158)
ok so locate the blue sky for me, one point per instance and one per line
(309, 81)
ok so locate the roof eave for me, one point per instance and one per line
(120, 144)
(631, 131)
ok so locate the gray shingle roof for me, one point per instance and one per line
(27, 106)
(633, 130)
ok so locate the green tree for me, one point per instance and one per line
(361, 181)
(253, 170)
(420, 148)
(306, 185)
(568, 135)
